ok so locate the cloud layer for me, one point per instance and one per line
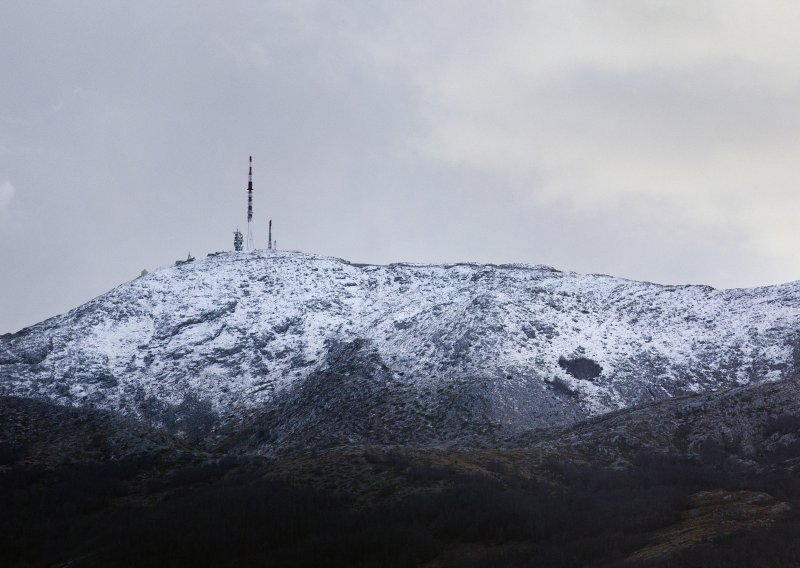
(648, 139)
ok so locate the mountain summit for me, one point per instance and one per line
(317, 350)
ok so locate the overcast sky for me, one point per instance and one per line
(652, 140)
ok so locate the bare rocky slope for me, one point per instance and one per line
(310, 350)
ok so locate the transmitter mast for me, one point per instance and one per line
(250, 245)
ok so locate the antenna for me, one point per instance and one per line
(250, 245)
(269, 245)
(238, 240)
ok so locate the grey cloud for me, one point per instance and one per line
(498, 132)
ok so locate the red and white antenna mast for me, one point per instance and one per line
(250, 245)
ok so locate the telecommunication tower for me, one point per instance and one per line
(250, 245)
(238, 240)
(269, 245)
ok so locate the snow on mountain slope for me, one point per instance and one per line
(420, 352)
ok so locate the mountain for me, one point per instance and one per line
(307, 350)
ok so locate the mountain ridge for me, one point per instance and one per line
(323, 350)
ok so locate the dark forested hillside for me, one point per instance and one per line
(699, 481)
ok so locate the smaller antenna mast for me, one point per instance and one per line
(238, 240)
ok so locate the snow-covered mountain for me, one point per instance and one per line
(313, 349)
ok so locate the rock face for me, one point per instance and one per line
(316, 350)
